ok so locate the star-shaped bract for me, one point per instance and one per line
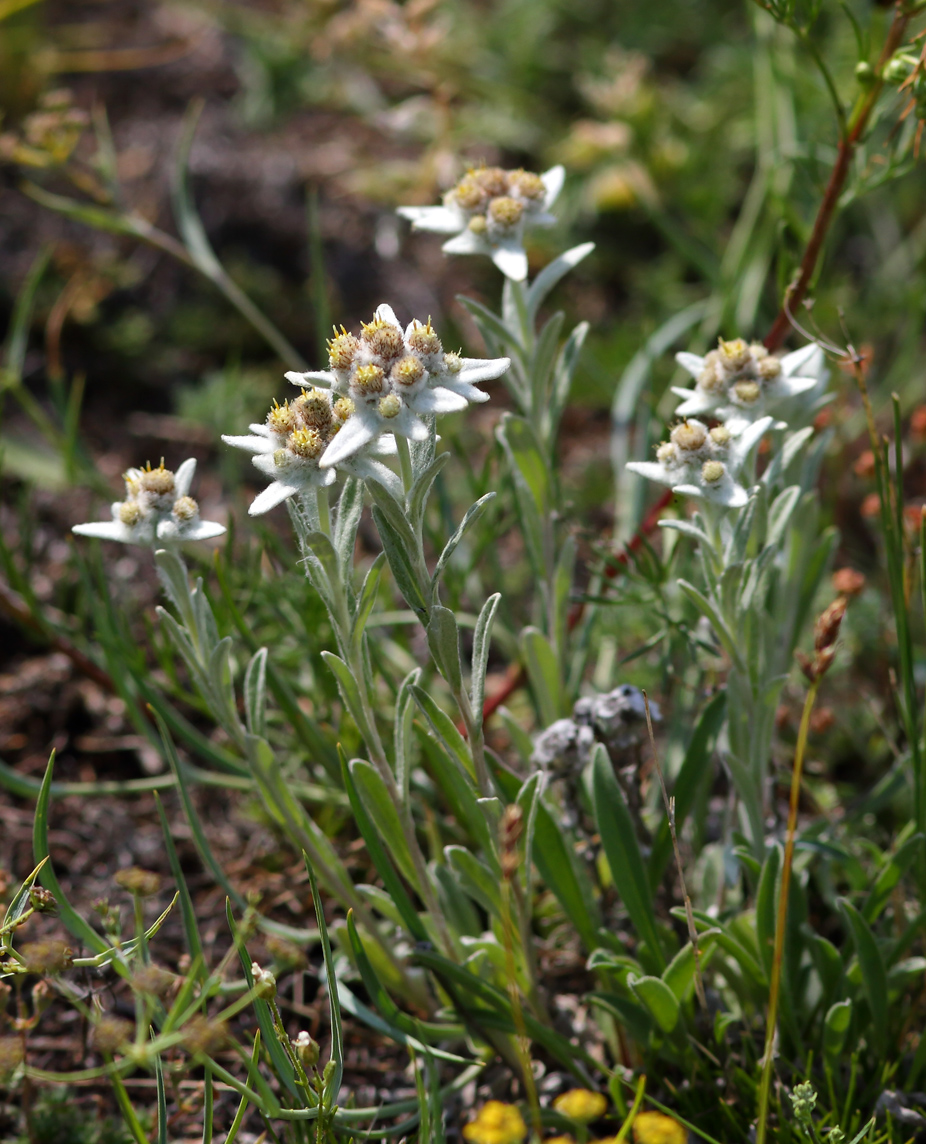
(701, 462)
(157, 507)
(392, 378)
(488, 211)
(740, 383)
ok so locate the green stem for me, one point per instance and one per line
(405, 463)
(782, 918)
(324, 510)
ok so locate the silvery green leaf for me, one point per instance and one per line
(543, 672)
(365, 600)
(689, 529)
(481, 644)
(472, 515)
(348, 687)
(444, 729)
(552, 273)
(565, 369)
(780, 513)
(206, 632)
(476, 879)
(347, 519)
(742, 531)
(396, 547)
(531, 483)
(562, 587)
(404, 712)
(173, 576)
(708, 610)
(792, 445)
(495, 333)
(255, 693)
(528, 799)
(444, 643)
(384, 816)
(422, 487)
(542, 360)
(185, 647)
(221, 685)
(491, 810)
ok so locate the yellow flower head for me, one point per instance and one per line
(563, 1140)
(496, 1123)
(657, 1128)
(581, 1104)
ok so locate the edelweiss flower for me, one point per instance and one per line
(391, 378)
(488, 211)
(739, 382)
(701, 462)
(157, 507)
(289, 445)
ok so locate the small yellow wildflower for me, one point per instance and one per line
(496, 1123)
(657, 1128)
(581, 1104)
(563, 1140)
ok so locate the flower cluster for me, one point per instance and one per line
(496, 1123)
(740, 382)
(488, 211)
(745, 388)
(380, 384)
(157, 509)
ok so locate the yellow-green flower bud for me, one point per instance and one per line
(721, 435)
(185, 509)
(506, 211)
(390, 406)
(307, 1050)
(369, 378)
(130, 513)
(748, 392)
(712, 472)
(689, 436)
(306, 443)
(408, 371)
(341, 349)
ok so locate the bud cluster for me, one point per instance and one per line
(303, 428)
(496, 201)
(825, 634)
(691, 443)
(738, 372)
(48, 135)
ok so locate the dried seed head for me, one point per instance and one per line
(369, 379)
(493, 180)
(408, 371)
(383, 338)
(721, 435)
(281, 419)
(140, 883)
(825, 634)
(735, 353)
(307, 1049)
(341, 349)
(159, 481)
(527, 185)
(42, 900)
(423, 340)
(185, 509)
(111, 1034)
(49, 957)
(154, 980)
(200, 1035)
(510, 828)
(390, 406)
(689, 436)
(469, 194)
(747, 392)
(305, 443)
(712, 472)
(130, 513)
(581, 1105)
